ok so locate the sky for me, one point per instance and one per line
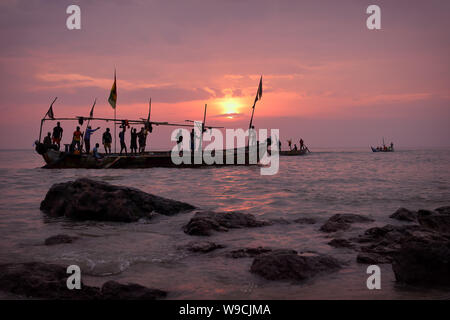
(327, 78)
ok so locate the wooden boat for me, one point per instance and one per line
(294, 152)
(55, 159)
(388, 149)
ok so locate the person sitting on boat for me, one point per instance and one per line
(87, 138)
(48, 140)
(295, 147)
(133, 142)
(122, 140)
(57, 134)
(76, 142)
(106, 140)
(95, 152)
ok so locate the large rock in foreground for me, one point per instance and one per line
(203, 223)
(342, 222)
(288, 265)
(49, 281)
(86, 199)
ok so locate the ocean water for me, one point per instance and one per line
(151, 252)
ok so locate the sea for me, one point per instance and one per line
(152, 252)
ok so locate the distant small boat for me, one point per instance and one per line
(381, 149)
(294, 152)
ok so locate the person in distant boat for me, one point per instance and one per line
(87, 138)
(123, 146)
(295, 147)
(95, 152)
(302, 145)
(279, 145)
(107, 140)
(290, 144)
(392, 146)
(48, 140)
(192, 140)
(179, 139)
(57, 134)
(142, 137)
(76, 141)
(133, 142)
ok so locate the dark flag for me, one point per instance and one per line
(91, 114)
(259, 92)
(50, 113)
(113, 95)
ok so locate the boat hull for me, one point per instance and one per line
(294, 152)
(381, 150)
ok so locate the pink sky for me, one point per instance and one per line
(327, 78)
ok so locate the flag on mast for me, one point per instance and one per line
(259, 92)
(50, 113)
(113, 94)
(91, 114)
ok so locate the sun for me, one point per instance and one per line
(230, 106)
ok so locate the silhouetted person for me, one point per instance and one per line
(48, 140)
(76, 141)
(295, 147)
(95, 152)
(87, 138)
(133, 142)
(142, 137)
(123, 146)
(302, 145)
(57, 134)
(107, 140)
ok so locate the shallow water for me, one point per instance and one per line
(149, 252)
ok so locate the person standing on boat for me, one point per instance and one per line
(106, 140)
(133, 143)
(122, 141)
(57, 134)
(76, 141)
(290, 144)
(142, 137)
(192, 140)
(302, 144)
(87, 138)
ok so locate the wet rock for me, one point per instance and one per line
(425, 263)
(249, 252)
(341, 243)
(437, 222)
(49, 281)
(342, 222)
(203, 246)
(443, 210)
(59, 239)
(305, 221)
(203, 223)
(372, 258)
(404, 214)
(86, 199)
(287, 265)
(112, 290)
(41, 280)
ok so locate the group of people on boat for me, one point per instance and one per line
(385, 147)
(82, 140)
(295, 148)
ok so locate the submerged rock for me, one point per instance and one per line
(113, 290)
(404, 214)
(59, 239)
(341, 243)
(288, 265)
(203, 223)
(49, 281)
(86, 199)
(305, 221)
(249, 252)
(436, 222)
(203, 246)
(342, 222)
(443, 210)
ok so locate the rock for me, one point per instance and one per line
(287, 265)
(41, 280)
(341, 243)
(372, 258)
(203, 246)
(342, 222)
(86, 199)
(403, 214)
(112, 290)
(443, 210)
(203, 223)
(305, 221)
(49, 281)
(437, 222)
(249, 252)
(425, 263)
(58, 239)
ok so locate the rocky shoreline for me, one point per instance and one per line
(418, 249)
